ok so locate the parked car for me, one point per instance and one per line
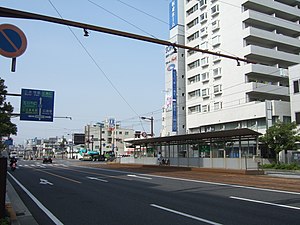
(47, 159)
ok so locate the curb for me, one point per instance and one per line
(11, 212)
(18, 212)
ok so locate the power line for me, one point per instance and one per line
(126, 21)
(97, 65)
(143, 12)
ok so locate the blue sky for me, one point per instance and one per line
(55, 60)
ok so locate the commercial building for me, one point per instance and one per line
(211, 93)
(107, 136)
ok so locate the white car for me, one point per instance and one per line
(13, 154)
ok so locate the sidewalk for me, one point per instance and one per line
(19, 214)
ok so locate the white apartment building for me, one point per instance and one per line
(294, 73)
(221, 93)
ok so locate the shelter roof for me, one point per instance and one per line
(244, 133)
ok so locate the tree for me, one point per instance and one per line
(281, 136)
(7, 128)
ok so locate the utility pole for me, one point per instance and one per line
(151, 125)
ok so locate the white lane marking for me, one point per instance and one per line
(226, 185)
(43, 181)
(266, 203)
(37, 202)
(135, 176)
(184, 214)
(197, 181)
(41, 166)
(96, 178)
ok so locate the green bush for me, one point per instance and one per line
(282, 166)
(4, 221)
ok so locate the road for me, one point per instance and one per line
(63, 193)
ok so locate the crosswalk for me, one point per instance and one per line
(40, 165)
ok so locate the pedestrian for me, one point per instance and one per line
(159, 156)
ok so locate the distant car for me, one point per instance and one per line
(47, 159)
(13, 155)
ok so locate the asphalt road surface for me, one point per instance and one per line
(63, 193)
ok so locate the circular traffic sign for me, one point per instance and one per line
(144, 134)
(13, 42)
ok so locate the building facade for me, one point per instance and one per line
(294, 73)
(224, 94)
(107, 136)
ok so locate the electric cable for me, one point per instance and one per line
(97, 65)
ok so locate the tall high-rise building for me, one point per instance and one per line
(222, 93)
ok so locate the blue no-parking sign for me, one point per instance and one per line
(37, 105)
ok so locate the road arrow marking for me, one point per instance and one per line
(96, 178)
(43, 181)
(135, 176)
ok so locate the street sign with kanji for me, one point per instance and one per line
(37, 105)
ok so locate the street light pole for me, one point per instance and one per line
(151, 120)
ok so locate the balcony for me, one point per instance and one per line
(270, 56)
(268, 91)
(270, 39)
(281, 10)
(274, 73)
(271, 23)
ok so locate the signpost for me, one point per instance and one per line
(37, 105)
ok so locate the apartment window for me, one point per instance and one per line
(215, 25)
(192, 10)
(192, 23)
(205, 92)
(296, 86)
(217, 106)
(204, 61)
(215, 10)
(205, 108)
(194, 94)
(193, 36)
(194, 79)
(191, 52)
(204, 45)
(205, 76)
(194, 109)
(216, 58)
(297, 116)
(202, 3)
(217, 72)
(218, 89)
(194, 64)
(216, 40)
(203, 32)
(203, 17)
